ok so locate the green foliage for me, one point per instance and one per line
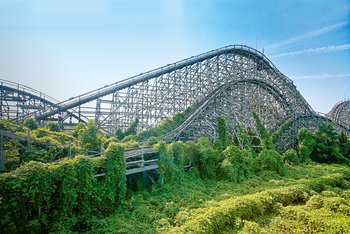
(171, 207)
(222, 131)
(323, 213)
(326, 149)
(277, 135)
(132, 128)
(242, 213)
(265, 136)
(344, 145)
(31, 123)
(152, 141)
(89, 136)
(207, 159)
(177, 149)
(238, 164)
(45, 145)
(167, 169)
(53, 127)
(164, 127)
(61, 196)
(291, 157)
(246, 142)
(269, 160)
(254, 139)
(306, 144)
(324, 146)
(119, 134)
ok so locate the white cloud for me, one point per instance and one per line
(321, 76)
(319, 50)
(307, 35)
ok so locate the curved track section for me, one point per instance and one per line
(288, 136)
(19, 101)
(340, 113)
(158, 94)
(237, 100)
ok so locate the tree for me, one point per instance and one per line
(238, 164)
(53, 127)
(222, 131)
(306, 144)
(89, 135)
(265, 136)
(119, 133)
(344, 145)
(31, 123)
(291, 157)
(326, 149)
(132, 128)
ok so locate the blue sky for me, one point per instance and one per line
(67, 47)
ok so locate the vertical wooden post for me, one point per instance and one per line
(142, 155)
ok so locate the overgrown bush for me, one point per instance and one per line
(222, 131)
(291, 157)
(306, 143)
(265, 136)
(238, 164)
(167, 169)
(63, 196)
(238, 213)
(269, 160)
(207, 159)
(324, 146)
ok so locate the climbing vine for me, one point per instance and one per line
(62, 196)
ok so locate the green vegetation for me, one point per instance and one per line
(324, 146)
(63, 196)
(203, 186)
(222, 131)
(261, 203)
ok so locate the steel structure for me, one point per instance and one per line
(232, 81)
(340, 113)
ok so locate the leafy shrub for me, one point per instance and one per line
(291, 157)
(208, 159)
(232, 214)
(177, 149)
(222, 131)
(237, 165)
(63, 195)
(53, 127)
(315, 202)
(306, 143)
(265, 136)
(31, 123)
(167, 168)
(269, 160)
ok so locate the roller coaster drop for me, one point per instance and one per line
(232, 81)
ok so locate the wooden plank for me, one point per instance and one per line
(141, 169)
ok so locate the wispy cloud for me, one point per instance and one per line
(321, 76)
(307, 35)
(318, 50)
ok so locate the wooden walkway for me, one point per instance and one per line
(137, 160)
(140, 160)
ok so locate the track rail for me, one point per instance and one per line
(5, 84)
(243, 50)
